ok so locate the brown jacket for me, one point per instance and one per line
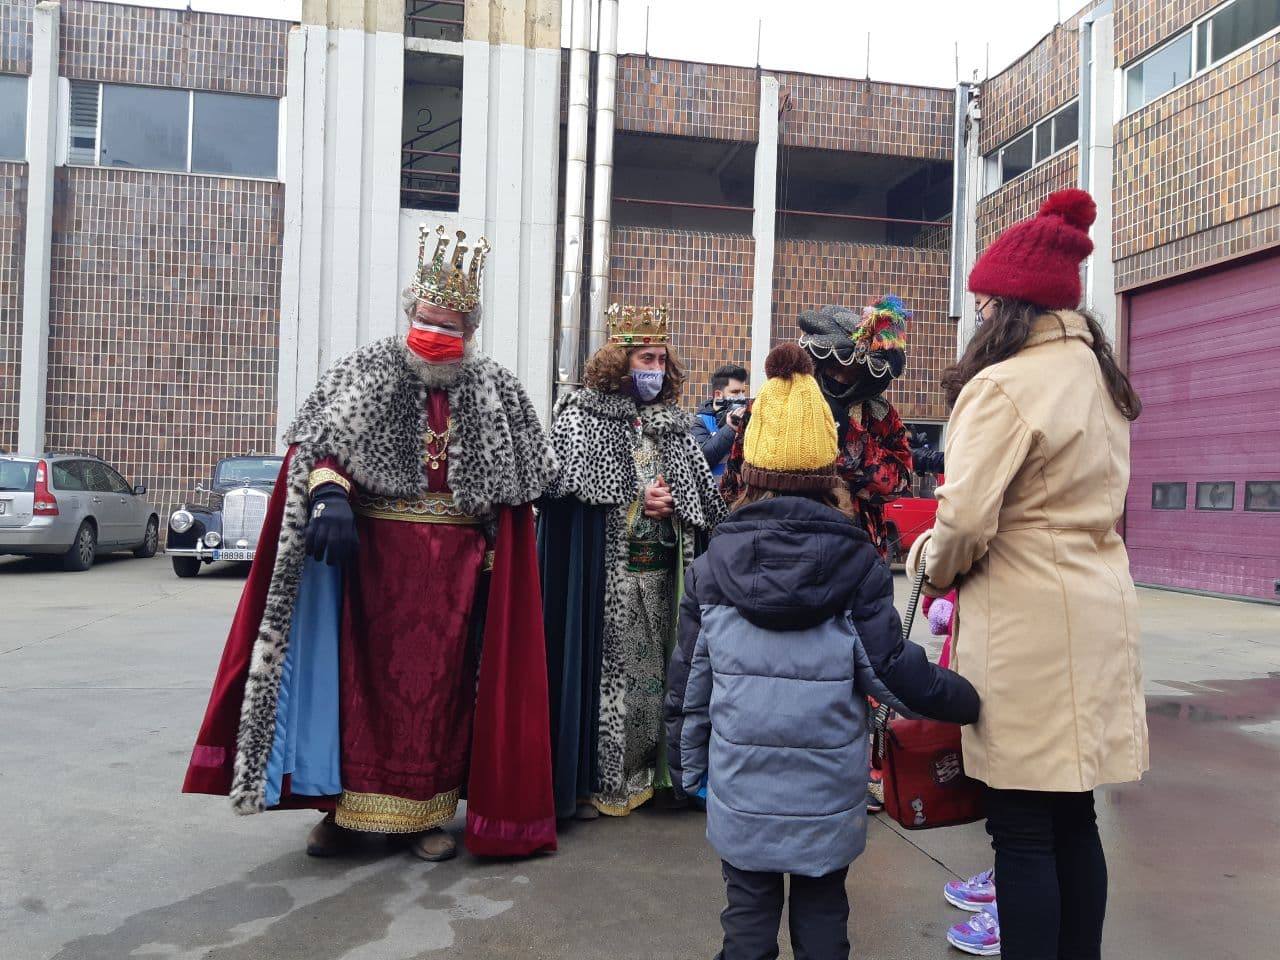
(1037, 469)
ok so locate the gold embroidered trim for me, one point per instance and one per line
(433, 508)
(325, 475)
(383, 813)
(488, 561)
(609, 808)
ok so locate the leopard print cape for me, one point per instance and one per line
(369, 411)
(594, 435)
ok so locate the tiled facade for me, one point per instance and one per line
(164, 319)
(1143, 24)
(706, 280)
(13, 219)
(687, 99)
(1198, 170)
(15, 36)
(113, 43)
(1044, 79)
(810, 273)
(833, 113)
(1021, 198)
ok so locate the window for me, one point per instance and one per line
(1217, 495)
(1165, 69)
(234, 134)
(1168, 496)
(143, 127)
(96, 476)
(67, 475)
(1224, 33)
(116, 483)
(156, 128)
(1051, 135)
(13, 118)
(1262, 496)
(17, 476)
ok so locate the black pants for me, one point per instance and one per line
(1051, 875)
(818, 909)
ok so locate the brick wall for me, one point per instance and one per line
(15, 36)
(706, 280)
(1042, 80)
(1197, 177)
(859, 115)
(13, 220)
(164, 317)
(1021, 198)
(173, 48)
(687, 99)
(811, 273)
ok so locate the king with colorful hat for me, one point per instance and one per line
(388, 655)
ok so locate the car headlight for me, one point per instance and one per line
(212, 538)
(181, 521)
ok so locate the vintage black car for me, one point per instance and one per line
(227, 525)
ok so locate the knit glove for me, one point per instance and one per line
(940, 616)
(331, 528)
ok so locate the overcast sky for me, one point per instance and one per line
(912, 41)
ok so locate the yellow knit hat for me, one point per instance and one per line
(791, 436)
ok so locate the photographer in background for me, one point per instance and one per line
(925, 457)
(718, 418)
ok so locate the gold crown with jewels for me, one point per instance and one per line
(637, 326)
(442, 280)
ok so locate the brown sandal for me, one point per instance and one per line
(434, 846)
(327, 839)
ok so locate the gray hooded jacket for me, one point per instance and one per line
(787, 624)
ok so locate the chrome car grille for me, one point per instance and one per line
(242, 515)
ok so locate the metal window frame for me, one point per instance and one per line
(1169, 483)
(1247, 508)
(1193, 29)
(998, 153)
(1215, 483)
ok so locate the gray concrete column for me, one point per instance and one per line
(763, 227)
(42, 141)
(965, 251)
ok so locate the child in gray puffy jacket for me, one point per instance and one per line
(787, 624)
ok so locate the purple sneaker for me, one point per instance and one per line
(972, 894)
(979, 935)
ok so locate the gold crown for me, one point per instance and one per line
(443, 282)
(637, 326)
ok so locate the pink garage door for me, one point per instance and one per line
(1204, 499)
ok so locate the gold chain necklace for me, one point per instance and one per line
(436, 457)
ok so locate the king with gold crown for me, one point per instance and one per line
(633, 498)
(388, 654)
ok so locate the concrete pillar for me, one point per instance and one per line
(1097, 144)
(342, 187)
(763, 226)
(42, 142)
(510, 172)
(966, 209)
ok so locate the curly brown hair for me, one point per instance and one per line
(609, 371)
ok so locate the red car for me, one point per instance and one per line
(908, 517)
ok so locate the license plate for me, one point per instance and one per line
(232, 555)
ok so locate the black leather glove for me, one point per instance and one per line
(331, 528)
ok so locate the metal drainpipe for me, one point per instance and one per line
(569, 353)
(602, 199)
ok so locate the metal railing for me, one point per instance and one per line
(435, 19)
(429, 179)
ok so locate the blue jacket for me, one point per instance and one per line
(787, 623)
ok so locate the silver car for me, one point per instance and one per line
(72, 506)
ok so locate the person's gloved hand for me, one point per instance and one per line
(331, 526)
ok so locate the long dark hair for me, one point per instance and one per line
(1006, 333)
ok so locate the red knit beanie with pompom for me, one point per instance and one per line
(1038, 260)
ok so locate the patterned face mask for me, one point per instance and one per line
(647, 384)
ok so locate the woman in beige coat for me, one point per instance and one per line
(1037, 463)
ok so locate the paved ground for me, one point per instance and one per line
(103, 679)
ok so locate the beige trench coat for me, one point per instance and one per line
(1037, 468)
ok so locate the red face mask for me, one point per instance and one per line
(436, 344)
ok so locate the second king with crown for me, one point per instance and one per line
(388, 653)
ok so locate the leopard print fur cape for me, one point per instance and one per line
(593, 434)
(369, 411)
